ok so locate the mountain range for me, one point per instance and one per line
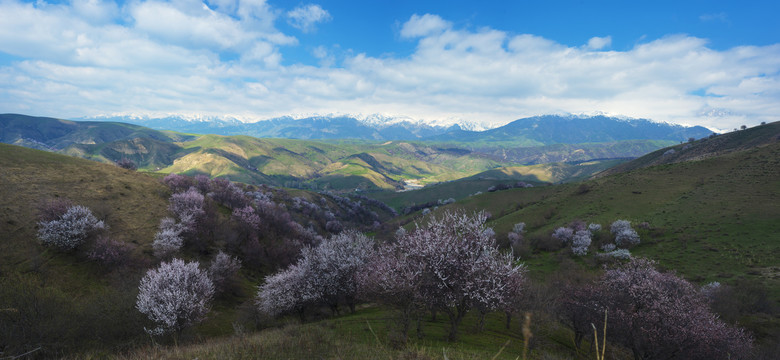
(533, 131)
(342, 164)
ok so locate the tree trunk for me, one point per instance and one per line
(508, 319)
(455, 319)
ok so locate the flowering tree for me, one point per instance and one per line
(335, 263)
(325, 274)
(69, 230)
(563, 234)
(177, 183)
(188, 207)
(222, 270)
(661, 316)
(287, 291)
(580, 242)
(624, 234)
(168, 240)
(450, 264)
(175, 296)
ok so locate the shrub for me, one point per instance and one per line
(168, 240)
(580, 242)
(174, 296)
(177, 183)
(109, 252)
(563, 234)
(626, 238)
(222, 270)
(519, 228)
(70, 230)
(53, 209)
(188, 207)
(660, 316)
(126, 163)
(624, 234)
(593, 227)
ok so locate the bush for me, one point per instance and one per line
(177, 183)
(126, 163)
(174, 296)
(580, 242)
(563, 234)
(624, 234)
(168, 240)
(222, 270)
(109, 252)
(188, 207)
(53, 209)
(661, 316)
(70, 230)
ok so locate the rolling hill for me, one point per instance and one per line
(711, 216)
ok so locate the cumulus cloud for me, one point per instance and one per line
(74, 63)
(598, 43)
(307, 17)
(424, 25)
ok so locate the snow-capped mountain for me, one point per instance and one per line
(538, 130)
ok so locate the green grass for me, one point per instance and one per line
(367, 334)
(711, 220)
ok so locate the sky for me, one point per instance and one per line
(711, 63)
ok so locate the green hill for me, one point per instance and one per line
(714, 219)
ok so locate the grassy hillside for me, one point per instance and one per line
(325, 165)
(541, 174)
(706, 147)
(131, 203)
(709, 220)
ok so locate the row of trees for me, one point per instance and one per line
(450, 265)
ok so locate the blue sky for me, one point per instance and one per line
(712, 63)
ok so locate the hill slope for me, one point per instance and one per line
(707, 147)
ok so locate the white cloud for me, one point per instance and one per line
(307, 17)
(598, 43)
(425, 25)
(75, 64)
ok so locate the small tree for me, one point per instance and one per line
(126, 163)
(451, 264)
(661, 316)
(624, 235)
(168, 240)
(580, 242)
(563, 234)
(337, 261)
(174, 296)
(188, 207)
(71, 229)
(287, 291)
(222, 270)
(177, 183)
